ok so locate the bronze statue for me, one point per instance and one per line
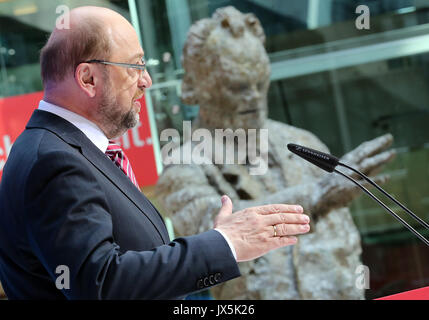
(227, 73)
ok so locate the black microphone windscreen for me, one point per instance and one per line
(323, 160)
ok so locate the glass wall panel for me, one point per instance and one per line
(347, 106)
(344, 84)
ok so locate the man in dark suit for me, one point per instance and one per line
(68, 197)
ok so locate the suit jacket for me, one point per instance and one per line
(65, 203)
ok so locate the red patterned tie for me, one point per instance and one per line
(115, 153)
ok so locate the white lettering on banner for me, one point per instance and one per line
(5, 151)
(136, 139)
(125, 141)
(136, 136)
(7, 144)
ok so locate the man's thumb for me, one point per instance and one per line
(226, 208)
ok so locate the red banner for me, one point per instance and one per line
(416, 294)
(137, 142)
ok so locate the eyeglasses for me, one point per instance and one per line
(141, 67)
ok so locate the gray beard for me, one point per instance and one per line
(109, 111)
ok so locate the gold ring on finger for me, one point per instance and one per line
(275, 231)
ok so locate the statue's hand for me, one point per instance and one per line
(369, 157)
(334, 191)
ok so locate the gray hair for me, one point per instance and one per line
(65, 50)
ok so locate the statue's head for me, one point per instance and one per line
(227, 70)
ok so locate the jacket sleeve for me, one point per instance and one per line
(68, 224)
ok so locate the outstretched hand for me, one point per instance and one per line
(333, 191)
(369, 157)
(255, 231)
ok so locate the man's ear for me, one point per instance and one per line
(86, 78)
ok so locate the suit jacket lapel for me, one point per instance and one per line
(73, 136)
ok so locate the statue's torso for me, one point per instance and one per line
(321, 266)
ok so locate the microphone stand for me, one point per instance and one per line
(409, 227)
(329, 163)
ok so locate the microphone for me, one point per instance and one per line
(329, 163)
(324, 161)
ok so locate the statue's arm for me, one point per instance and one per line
(332, 191)
(188, 198)
(193, 200)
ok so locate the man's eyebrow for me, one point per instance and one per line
(138, 55)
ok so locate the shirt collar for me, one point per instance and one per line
(90, 129)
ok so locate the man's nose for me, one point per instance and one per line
(145, 81)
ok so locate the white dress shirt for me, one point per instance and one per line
(97, 137)
(90, 129)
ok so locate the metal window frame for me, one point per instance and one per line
(321, 62)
